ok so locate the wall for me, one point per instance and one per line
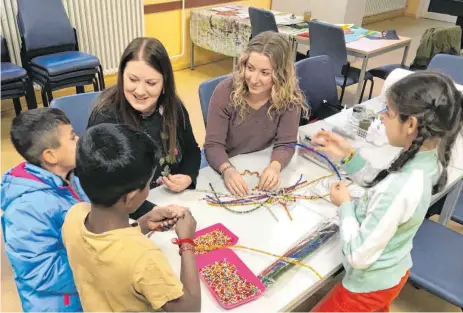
(165, 23)
(412, 9)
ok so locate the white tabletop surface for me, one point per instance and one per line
(260, 230)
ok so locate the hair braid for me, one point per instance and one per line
(404, 157)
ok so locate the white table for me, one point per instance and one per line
(260, 230)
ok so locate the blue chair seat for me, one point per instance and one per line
(11, 72)
(13, 93)
(16, 84)
(352, 77)
(63, 62)
(43, 74)
(437, 262)
(383, 71)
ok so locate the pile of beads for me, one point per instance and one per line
(215, 238)
(229, 286)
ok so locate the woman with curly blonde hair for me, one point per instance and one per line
(258, 106)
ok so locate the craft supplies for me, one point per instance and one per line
(308, 245)
(230, 281)
(332, 165)
(213, 237)
(262, 199)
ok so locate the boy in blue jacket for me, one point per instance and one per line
(36, 195)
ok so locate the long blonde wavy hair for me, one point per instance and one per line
(285, 94)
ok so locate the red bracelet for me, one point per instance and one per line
(178, 241)
(186, 247)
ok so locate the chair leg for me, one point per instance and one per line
(363, 90)
(44, 97)
(80, 89)
(101, 76)
(49, 94)
(95, 84)
(17, 106)
(343, 88)
(371, 88)
(30, 95)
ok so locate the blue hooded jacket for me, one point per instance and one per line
(35, 202)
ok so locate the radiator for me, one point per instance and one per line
(374, 7)
(104, 27)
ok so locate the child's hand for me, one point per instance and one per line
(160, 217)
(332, 144)
(339, 193)
(186, 226)
(177, 183)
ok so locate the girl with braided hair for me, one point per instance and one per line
(424, 116)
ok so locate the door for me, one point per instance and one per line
(435, 16)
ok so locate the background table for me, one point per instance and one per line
(227, 29)
(259, 230)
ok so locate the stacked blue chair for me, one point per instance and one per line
(328, 39)
(50, 51)
(15, 82)
(77, 108)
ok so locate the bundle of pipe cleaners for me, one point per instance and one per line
(312, 242)
(283, 197)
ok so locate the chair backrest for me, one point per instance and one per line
(5, 52)
(317, 83)
(451, 65)
(44, 25)
(328, 39)
(205, 93)
(262, 21)
(78, 108)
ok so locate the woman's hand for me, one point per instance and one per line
(178, 182)
(235, 182)
(270, 177)
(332, 144)
(339, 193)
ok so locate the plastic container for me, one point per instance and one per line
(243, 271)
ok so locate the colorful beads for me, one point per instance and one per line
(225, 280)
(210, 241)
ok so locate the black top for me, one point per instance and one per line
(188, 155)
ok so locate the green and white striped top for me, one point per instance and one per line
(377, 232)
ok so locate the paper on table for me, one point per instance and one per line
(287, 20)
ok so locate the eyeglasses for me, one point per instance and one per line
(382, 111)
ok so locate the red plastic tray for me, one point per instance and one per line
(243, 271)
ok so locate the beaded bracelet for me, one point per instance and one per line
(229, 166)
(349, 157)
(185, 247)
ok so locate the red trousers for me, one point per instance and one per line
(339, 299)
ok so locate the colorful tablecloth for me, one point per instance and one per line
(227, 29)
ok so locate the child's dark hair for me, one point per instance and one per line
(113, 160)
(438, 106)
(34, 131)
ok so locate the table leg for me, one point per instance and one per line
(450, 203)
(361, 79)
(404, 58)
(192, 56)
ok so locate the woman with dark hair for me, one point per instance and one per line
(145, 98)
